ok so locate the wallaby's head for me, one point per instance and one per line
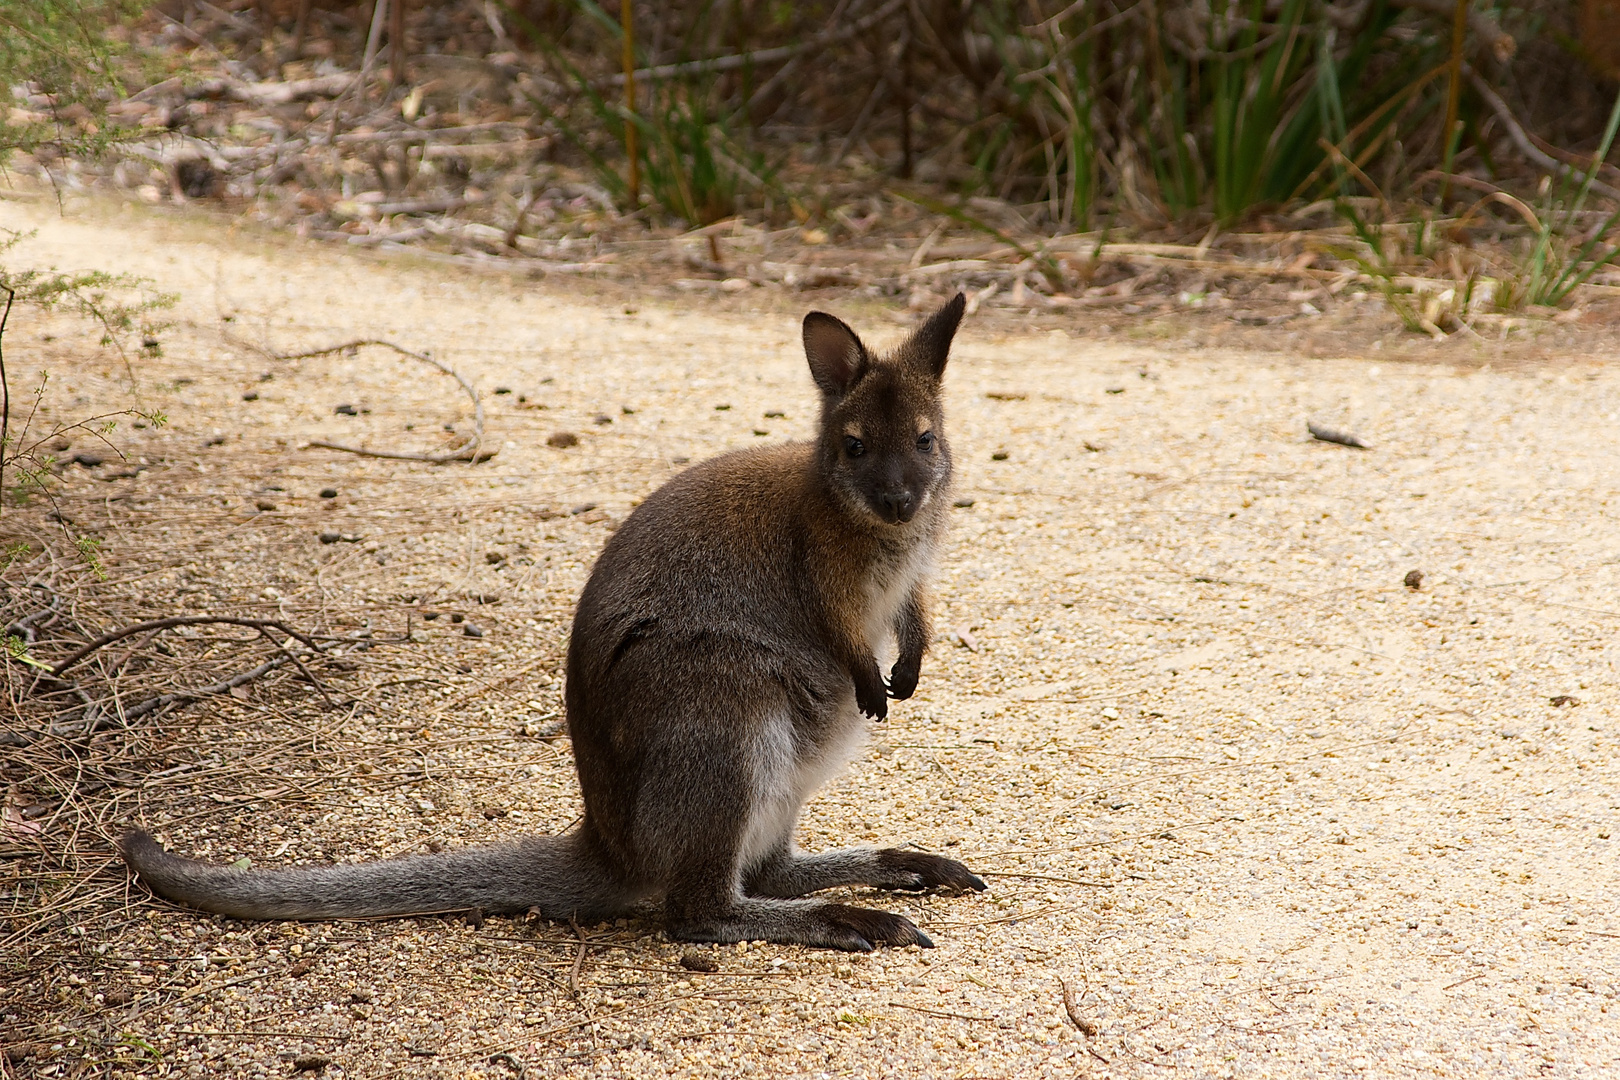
(882, 447)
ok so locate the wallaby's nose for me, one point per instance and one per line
(899, 505)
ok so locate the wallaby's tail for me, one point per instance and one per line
(562, 876)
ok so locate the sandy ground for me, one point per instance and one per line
(1264, 809)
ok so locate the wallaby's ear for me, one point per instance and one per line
(930, 346)
(837, 357)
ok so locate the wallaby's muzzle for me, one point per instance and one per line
(898, 507)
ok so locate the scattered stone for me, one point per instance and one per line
(692, 960)
(430, 615)
(627, 410)
(582, 508)
(363, 996)
(775, 414)
(721, 408)
(89, 461)
(346, 410)
(964, 637)
(493, 812)
(251, 395)
(962, 504)
(999, 455)
(601, 418)
(470, 630)
(503, 389)
(264, 504)
(302, 968)
(474, 918)
(1327, 434)
(1562, 701)
(328, 493)
(594, 517)
(310, 1063)
(330, 537)
(494, 557)
(457, 617)
(1114, 390)
(1413, 579)
(562, 440)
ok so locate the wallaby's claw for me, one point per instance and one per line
(918, 870)
(903, 679)
(871, 696)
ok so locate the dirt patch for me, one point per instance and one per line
(1262, 807)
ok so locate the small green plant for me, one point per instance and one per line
(57, 62)
(1561, 260)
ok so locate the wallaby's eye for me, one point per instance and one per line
(925, 442)
(853, 446)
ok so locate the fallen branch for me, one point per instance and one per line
(1081, 1024)
(470, 451)
(1521, 138)
(181, 620)
(224, 686)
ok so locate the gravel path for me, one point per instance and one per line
(1262, 808)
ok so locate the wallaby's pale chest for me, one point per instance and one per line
(894, 576)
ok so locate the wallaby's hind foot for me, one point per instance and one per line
(800, 922)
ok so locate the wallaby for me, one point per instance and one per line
(723, 653)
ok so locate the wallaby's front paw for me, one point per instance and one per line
(903, 678)
(871, 697)
(919, 870)
(857, 929)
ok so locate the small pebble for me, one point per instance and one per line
(999, 455)
(265, 504)
(328, 493)
(458, 617)
(310, 1063)
(1413, 579)
(962, 504)
(430, 615)
(696, 961)
(89, 461)
(251, 395)
(330, 537)
(503, 389)
(601, 418)
(562, 440)
(346, 410)
(470, 630)
(583, 508)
